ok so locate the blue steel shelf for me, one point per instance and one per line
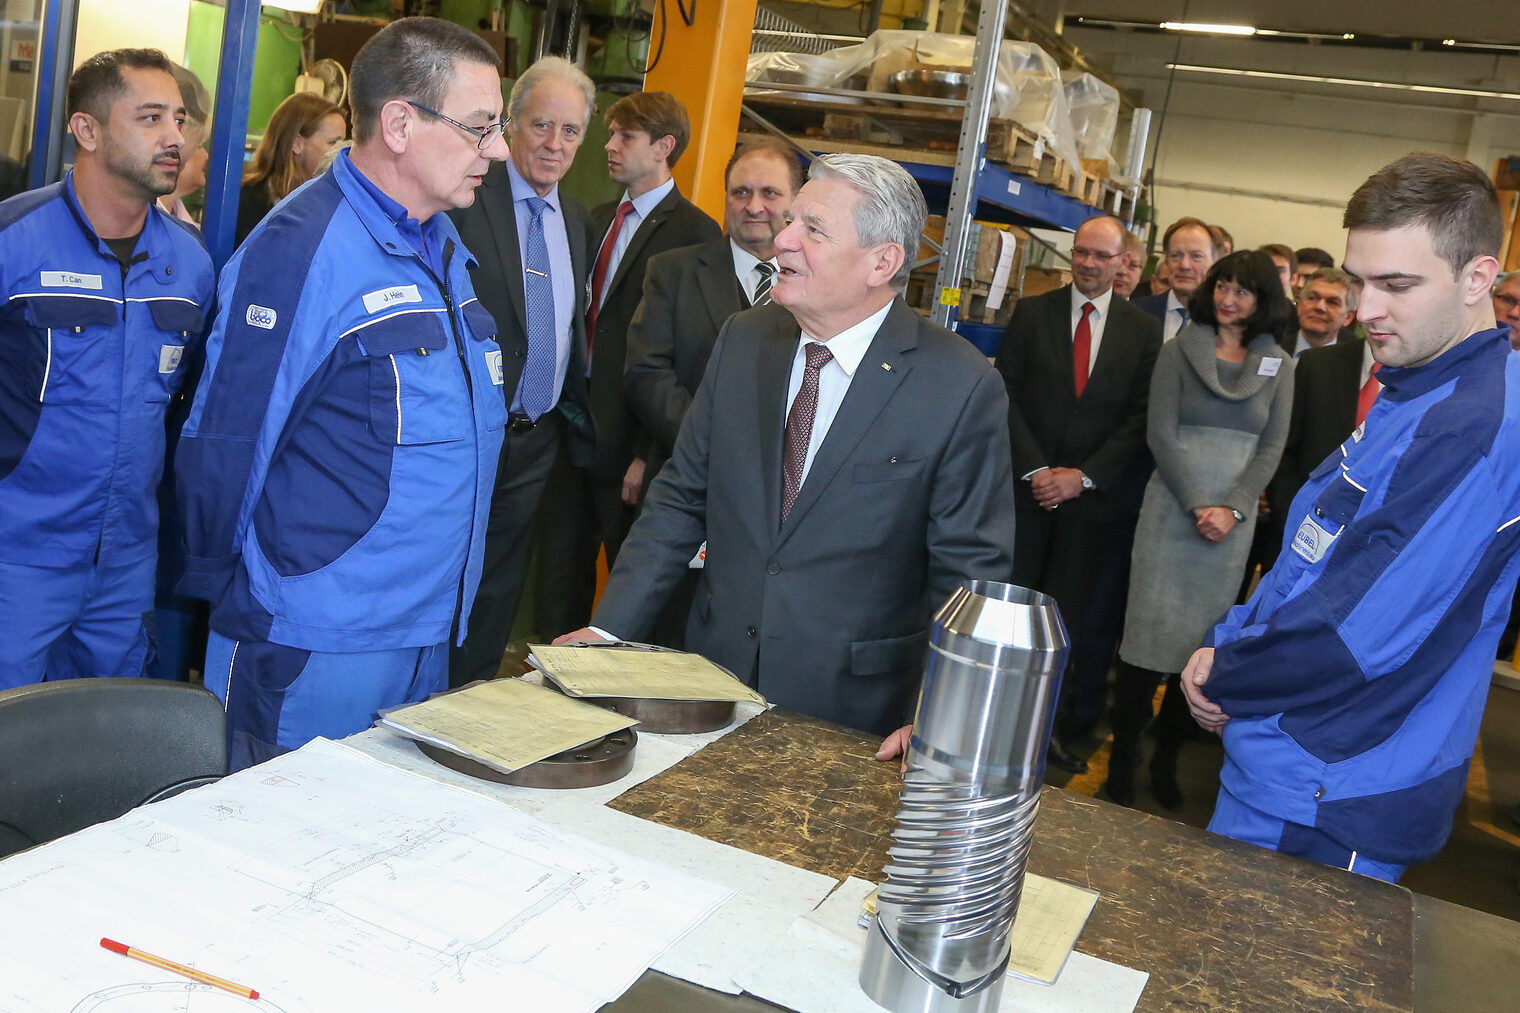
(1002, 196)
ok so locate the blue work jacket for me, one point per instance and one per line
(1355, 677)
(89, 361)
(337, 466)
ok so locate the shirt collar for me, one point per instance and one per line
(1407, 382)
(1100, 304)
(409, 227)
(1304, 344)
(849, 345)
(522, 189)
(1173, 304)
(745, 261)
(647, 201)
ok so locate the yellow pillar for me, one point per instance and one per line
(703, 66)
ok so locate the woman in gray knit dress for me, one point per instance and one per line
(1220, 401)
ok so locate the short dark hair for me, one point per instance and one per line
(1454, 199)
(1281, 250)
(412, 59)
(97, 83)
(771, 146)
(1186, 223)
(1314, 255)
(657, 113)
(1253, 271)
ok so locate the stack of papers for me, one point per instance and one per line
(637, 671)
(505, 724)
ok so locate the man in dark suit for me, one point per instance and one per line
(1189, 248)
(531, 243)
(1077, 363)
(846, 460)
(594, 499)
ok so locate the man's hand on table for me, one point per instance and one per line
(1205, 711)
(896, 745)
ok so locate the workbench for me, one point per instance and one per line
(1219, 925)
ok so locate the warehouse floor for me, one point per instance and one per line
(1478, 868)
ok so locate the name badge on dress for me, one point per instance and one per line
(1269, 367)
(1312, 541)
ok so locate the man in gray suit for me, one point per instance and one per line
(846, 461)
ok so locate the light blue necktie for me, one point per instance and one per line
(536, 393)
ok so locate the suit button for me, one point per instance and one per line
(519, 353)
(751, 632)
(773, 569)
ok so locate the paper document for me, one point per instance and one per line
(505, 724)
(815, 968)
(645, 674)
(328, 881)
(1008, 248)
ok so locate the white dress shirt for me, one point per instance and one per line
(744, 270)
(643, 204)
(848, 347)
(1174, 313)
(1095, 321)
(1304, 344)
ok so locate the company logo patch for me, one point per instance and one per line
(261, 316)
(169, 357)
(493, 366)
(377, 301)
(70, 279)
(1312, 541)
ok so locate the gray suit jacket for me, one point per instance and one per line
(910, 493)
(689, 294)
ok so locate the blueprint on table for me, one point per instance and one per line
(328, 881)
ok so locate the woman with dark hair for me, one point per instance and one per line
(301, 131)
(1221, 397)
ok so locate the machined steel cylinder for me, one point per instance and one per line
(965, 819)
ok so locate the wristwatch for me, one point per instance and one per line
(1088, 485)
(1238, 515)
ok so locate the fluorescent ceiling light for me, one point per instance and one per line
(1207, 29)
(1354, 82)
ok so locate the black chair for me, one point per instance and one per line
(83, 751)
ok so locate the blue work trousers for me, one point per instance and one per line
(72, 622)
(280, 698)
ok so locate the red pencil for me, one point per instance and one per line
(188, 972)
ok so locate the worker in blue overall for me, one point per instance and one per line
(1350, 688)
(104, 297)
(336, 468)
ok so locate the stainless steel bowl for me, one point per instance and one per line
(930, 83)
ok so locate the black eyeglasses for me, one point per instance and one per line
(483, 135)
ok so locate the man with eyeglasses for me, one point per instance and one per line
(1506, 296)
(1190, 252)
(337, 467)
(1077, 364)
(532, 242)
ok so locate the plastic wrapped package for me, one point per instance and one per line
(1094, 106)
(1027, 88)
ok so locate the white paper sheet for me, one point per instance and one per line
(815, 968)
(329, 881)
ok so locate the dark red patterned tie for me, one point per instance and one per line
(1081, 348)
(799, 426)
(599, 272)
(1368, 394)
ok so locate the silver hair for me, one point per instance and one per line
(1505, 279)
(889, 206)
(545, 67)
(1335, 276)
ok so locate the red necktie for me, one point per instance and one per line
(799, 426)
(1081, 348)
(599, 273)
(1369, 394)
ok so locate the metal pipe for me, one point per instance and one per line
(941, 937)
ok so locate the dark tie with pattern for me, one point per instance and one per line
(536, 392)
(799, 426)
(767, 271)
(1081, 348)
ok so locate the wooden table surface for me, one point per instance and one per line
(1219, 925)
